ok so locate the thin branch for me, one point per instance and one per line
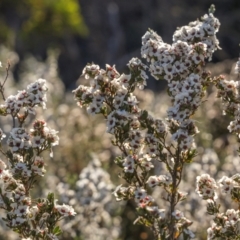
(3, 152)
(2, 84)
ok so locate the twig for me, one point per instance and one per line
(2, 84)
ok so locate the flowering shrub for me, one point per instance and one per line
(19, 173)
(146, 141)
(65, 165)
(159, 158)
(93, 201)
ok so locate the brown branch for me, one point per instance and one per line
(2, 84)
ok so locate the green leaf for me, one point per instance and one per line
(57, 230)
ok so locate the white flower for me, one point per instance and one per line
(140, 193)
(51, 136)
(132, 100)
(156, 212)
(21, 210)
(226, 184)
(17, 221)
(21, 168)
(111, 122)
(92, 108)
(152, 181)
(142, 198)
(111, 72)
(32, 212)
(164, 179)
(124, 80)
(19, 139)
(177, 214)
(146, 163)
(91, 70)
(65, 210)
(233, 216)
(38, 166)
(37, 141)
(210, 232)
(129, 164)
(206, 187)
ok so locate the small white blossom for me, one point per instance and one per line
(226, 184)
(206, 187)
(177, 214)
(65, 210)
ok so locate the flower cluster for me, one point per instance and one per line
(148, 151)
(225, 224)
(146, 142)
(203, 30)
(206, 187)
(92, 200)
(23, 165)
(139, 136)
(40, 139)
(228, 91)
(34, 95)
(159, 180)
(144, 139)
(181, 65)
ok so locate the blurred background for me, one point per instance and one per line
(55, 39)
(105, 31)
